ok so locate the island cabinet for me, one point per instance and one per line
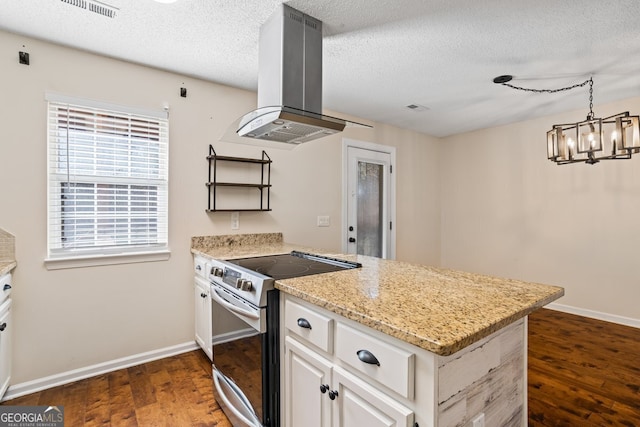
(337, 372)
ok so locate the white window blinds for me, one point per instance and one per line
(108, 178)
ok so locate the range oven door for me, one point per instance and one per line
(242, 366)
(233, 401)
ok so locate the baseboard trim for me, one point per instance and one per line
(607, 317)
(40, 384)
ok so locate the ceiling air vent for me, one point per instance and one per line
(94, 6)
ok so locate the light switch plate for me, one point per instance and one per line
(235, 220)
(324, 220)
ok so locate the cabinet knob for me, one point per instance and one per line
(304, 323)
(367, 357)
(333, 394)
(352, 239)
(203, 295)
(324, 388)
(3, 326)
(6, 287)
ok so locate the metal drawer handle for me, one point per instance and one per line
(6, 287)
(304, 323)
(3, 326)
(367, 357)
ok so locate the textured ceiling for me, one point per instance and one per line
(380, 55)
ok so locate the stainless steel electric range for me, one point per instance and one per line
(247, 384)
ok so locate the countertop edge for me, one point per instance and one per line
(439, 348)
(442, 347)
(7, 266)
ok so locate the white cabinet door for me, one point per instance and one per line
(305, 373)
(359, 404)
(204, 330)
(6, 329)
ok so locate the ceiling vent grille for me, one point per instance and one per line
(94, 6)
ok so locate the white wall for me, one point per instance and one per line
(70, 319)
(508, 211)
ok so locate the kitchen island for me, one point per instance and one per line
(460, 337)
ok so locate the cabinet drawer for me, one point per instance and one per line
(390, 366)
(309, 325)
(200, 266)
(5, 287)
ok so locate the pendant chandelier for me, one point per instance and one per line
(591, 140)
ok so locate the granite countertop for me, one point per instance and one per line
(244, 245)
(439, 310)
(7, 252)
(6, 266)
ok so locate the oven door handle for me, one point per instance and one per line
(223, 302)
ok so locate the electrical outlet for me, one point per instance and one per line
(324, 221)
(235, 220)
(478, 421)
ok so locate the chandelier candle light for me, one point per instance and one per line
(591, 140)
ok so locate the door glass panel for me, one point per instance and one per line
(370, 201)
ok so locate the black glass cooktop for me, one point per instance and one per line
(294, 264)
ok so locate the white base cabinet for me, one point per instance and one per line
(360, 404)
(322, 395)
(321, 389)
(339, 373)
(6, 330)
(203, 328)
(202, 298)
(305, 373)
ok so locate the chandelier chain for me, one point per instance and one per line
(591, 97)
(550, 90)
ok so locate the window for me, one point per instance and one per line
(108, 179)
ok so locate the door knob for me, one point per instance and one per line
(352, 239)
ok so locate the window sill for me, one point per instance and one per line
(59, 263)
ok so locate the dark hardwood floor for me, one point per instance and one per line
(582, 372)
(176, 391)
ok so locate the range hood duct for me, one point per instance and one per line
(290, 82)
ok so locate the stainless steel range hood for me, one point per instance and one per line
(290, 82)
